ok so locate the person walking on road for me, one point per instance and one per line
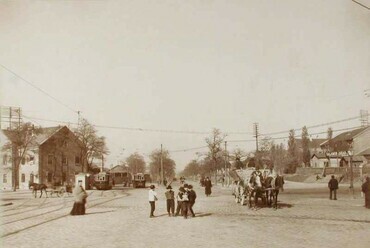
(152, 199)
(170, 196)
(333, 186)
(366, 190)
(80, 200)
(192, 196)
(208, 186)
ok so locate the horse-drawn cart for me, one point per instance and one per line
(60, 190)
(251, 185)
(241, 191)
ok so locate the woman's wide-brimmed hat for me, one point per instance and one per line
(169, 187)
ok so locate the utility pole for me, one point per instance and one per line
(256, 134)
(162, 172)
(226, 163)
(102, 163)
(79, 118)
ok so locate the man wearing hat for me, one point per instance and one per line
(179, 200)
(192, 196)
(152, 199)
(185, 201)
(170, 196)
(366, 190)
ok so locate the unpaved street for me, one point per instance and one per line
(120, 218)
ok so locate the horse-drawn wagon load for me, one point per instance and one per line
(251, 184)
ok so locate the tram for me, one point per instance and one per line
(103, 181)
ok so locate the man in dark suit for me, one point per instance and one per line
(192, 196)
(366, 190)
(333, 186)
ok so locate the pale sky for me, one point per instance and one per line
(187, 66)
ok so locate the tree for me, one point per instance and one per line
(21, 140)
(215, 153)
(292, 153)
(191, 169)
(136, 163)
(278, 156)
(94, 146)
(306, 156)
(155, 164)
(236, 157)
(262, 157)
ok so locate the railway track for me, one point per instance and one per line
(21, 223)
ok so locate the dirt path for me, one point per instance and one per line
(304, 220)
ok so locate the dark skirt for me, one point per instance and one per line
(78, 208)
(208, 190)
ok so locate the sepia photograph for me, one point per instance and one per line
(184, 123)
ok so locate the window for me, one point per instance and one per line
(5, 159)
(64, 177)
(65, 143)
(31, 159)
(5, 180)
(50, 177)
(50, 159)
(23, 160)
(77, 160)
(31, 178)
(64, 160)
(23, 178)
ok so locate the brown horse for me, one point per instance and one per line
(255, 189)
(36, 186)
(272, 186)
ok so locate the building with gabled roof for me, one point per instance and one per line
(53, 157)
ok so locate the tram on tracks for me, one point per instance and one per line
(103, 181)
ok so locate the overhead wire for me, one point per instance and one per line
(361, 4)
(38, 88)
(131, 128)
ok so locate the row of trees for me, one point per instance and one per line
(270, 154)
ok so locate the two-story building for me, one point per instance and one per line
(349, 146)
(53, 157)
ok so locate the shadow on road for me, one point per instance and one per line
(285, 205)
(202, 215)
(101, 212)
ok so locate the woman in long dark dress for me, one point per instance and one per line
(208, 186)
(80, 200)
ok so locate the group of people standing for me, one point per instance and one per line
(185, 199)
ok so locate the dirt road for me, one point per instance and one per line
(306, 218)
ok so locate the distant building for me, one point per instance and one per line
(121, 175)
(352, 145)
(54, 157)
